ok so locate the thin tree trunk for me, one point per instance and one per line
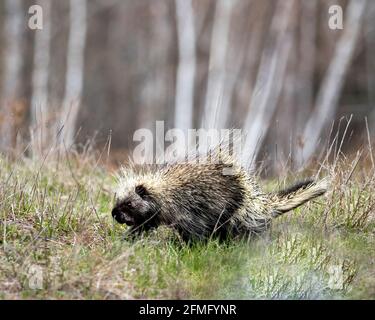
(13, 25)
(280, 136)
(39, 101)
(184, 104)
(332, 84)
(75, 68)
(214, 115)
(238, 45)
(268, 84)
(257, 31)
(156, 87)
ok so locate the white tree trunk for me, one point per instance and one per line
(214, 115)
(75, 68)
(184, 103)
(39, 99)
(13, 25)
(269, 82)
(331, 86)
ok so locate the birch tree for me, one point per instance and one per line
(75, 68)
(257, 34)
(332, 84)
(269, 81)
(13, 26)
(39, 100)
(186, 65)
(214, 115)
(155, 95)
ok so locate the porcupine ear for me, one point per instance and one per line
(141, 191)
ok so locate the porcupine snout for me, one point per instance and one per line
(122, 217)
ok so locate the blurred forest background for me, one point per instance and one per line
(107, 68)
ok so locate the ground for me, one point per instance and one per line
(58, 240)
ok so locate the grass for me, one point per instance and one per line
(58, 240)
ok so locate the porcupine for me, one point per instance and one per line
(201, 200)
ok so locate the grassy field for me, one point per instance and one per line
(58, 240)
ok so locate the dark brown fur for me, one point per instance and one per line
(201, 201)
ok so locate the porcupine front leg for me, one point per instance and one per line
(135, 232)
(131, 233)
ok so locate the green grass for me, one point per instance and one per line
(58, 240)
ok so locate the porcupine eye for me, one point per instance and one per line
(141, 191)
(128, 204)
